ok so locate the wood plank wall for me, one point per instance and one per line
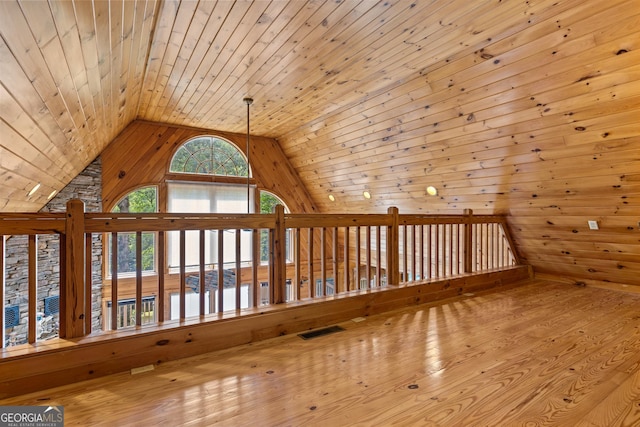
(539, 121)
(528, 108)
(141, 154)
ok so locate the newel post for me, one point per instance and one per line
(279, 258)
(468, 241)
(393, 249)
(74, 292)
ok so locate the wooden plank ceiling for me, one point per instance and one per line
(529, 108)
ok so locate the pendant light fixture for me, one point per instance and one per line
(248, 101)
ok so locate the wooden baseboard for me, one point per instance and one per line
(59, 362)
(588, 282)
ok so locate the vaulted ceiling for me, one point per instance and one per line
(528, 108)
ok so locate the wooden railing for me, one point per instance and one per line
(307, 257)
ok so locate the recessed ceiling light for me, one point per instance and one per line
(366, 195)
(33, 190)
(432, 191)
(50, 196)
(332, 198)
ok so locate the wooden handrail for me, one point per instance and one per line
(27, 225)
(376, 248)
(151, 222)
(336, 220)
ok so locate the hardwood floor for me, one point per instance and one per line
(538, 354)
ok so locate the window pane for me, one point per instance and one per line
(142, 200)
(208, 198)
(268, 202)
(127, 252)
(210, 156)
(127, 312)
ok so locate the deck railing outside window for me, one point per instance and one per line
(311, 257)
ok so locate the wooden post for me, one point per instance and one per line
(161, 271)
(255, 263)
(298, 274)
(347, 268)
(323, 261)
(311, 280)
(368, 255)
(183, 292)
(405, 236)
(114, 281)
(238, 269)
(279, 257)
(32, 258)
(88, 280)
(421, 251)
(271, 280)
(336, 281)
(429, 251)
(74, 295)
(413, 250)
(378, 257)
(2, 279)
(201, 274)
(138, 278)
(62, 329)
(393, 248)
(468, 242)
(357, 266)
(220, 271)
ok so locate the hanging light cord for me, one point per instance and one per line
(248, 101)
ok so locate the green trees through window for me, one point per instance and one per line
(138, 201)
(141, 200)
(211, 156)
(268, 202)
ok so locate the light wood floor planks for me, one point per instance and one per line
(540, 354)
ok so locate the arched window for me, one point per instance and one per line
(268, 202)
(209, 155)
(141, 200)
(144, 199)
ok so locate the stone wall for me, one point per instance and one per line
(87, 186)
